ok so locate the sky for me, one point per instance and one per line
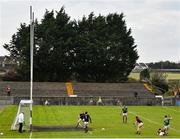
(155, 24)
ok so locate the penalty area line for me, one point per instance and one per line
(151, 121)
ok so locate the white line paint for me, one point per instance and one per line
(110, 138)
(151, 121)
(30, 136)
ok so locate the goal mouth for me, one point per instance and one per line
(24, 106)
(58, 128)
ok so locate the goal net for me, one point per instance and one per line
(24, 106)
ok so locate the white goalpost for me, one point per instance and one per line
(26, 105)
(31, 53)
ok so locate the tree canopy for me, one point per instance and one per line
(93, 49)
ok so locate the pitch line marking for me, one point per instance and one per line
(30, 136)
(151, 121)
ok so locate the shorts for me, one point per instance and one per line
(124, 114)
(86, 123)
(140, 125)
(166, 126)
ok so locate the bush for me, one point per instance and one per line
(144, 74)
(11, 76)
(158, 79)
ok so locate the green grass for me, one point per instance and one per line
(1, 109)
(107, 117)
(134, 75)
(173, 75)
(170, 75)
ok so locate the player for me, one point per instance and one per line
(139, 125)
(161, 132)
(167, 122)
(80, 119)
(124, 113)
(87, 119)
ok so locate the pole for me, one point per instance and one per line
(31, 63)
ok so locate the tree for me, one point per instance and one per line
(19, 50)
(106, 50)
(97, 49)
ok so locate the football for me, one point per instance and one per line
(102, 129)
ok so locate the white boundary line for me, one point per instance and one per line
(30, 136)
(151, 121)
(98, 138)
(107, 138)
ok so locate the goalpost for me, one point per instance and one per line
(26, 105)
(31, 53)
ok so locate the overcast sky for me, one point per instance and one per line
(155, 24)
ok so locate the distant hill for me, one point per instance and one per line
(164, 65)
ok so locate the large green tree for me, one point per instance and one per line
(19, 50)
(95, 48)
(55, 37)
(105, 50)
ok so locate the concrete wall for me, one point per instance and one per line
(51, 89)
(55, 93)
(6, 100)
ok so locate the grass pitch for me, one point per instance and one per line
(107, 117)
(170, 75)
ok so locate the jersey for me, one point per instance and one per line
(138, 120)
(81, 116)
(166, 121)
(124, 109)
(21, 118)
(87, 118)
